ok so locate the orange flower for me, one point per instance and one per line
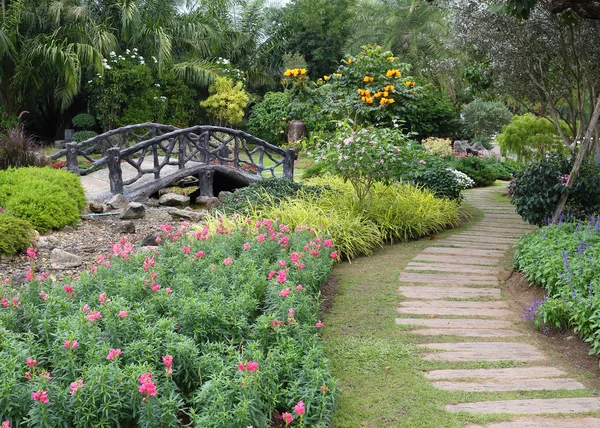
(369, 100)
(391, 58)
(287, 73)
(349, 60)
(326, 78)
(367, 79)
(363, 98)
(393, 73)
(383, 101)
(378, 94)
(385, 93)
(391, 101)
(409, 83)
(389, 88)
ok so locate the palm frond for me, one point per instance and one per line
(197, 71)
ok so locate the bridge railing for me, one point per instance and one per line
(168, 145)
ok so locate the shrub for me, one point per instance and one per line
(503, 172)
(84, 122)
(80, 136)
(442, 181)
(47, 198)
(268, 119)
(16, 234)
(226, 102)
(477, 169)
(197, 328)
(441, 147)
(433, 114)
(17, 150)
(483, 119)
(537, 188)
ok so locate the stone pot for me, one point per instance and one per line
(69, 135)
(296, 131)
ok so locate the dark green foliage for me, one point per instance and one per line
(18, 149)
(264, 193)
(478, 169)
(485, 118)
(436, 177)
(48, 198)
(15, 234)
(503, 170)
(83, 122)
(80, 136)
(268, 119)
(537, 189)
(434, 115)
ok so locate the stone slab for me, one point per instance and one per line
(461, 323)
(533, 406)
(475, 245)
(475, 312)
(424, 292)
(546, 423)
(465, 332)
(482, 239)
(494, 254)
(510, 385)
(457, 260)
(452, 268)
(493, 234)
(482, 351)
(449, 279)
(509, 373)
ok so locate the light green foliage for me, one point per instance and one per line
(227, 102)
(45, 197)
(268, 119)
(15, 233)
(530, 138)
(294, 60)
(485, 118)
(441, 147)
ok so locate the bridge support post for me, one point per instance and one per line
(288, 163)
(115, 174)
(205, 182)
(72, 164)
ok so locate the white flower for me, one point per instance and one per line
(163, 98)
(135, 49)
(141, 57)
(157, 85)
(225, 61)
(142, 63)
(154, 58)
(112, 53)
(127, 51)
(104, 60)
(133, 56)
(108, 67)
(89, 81)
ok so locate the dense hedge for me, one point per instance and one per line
(47, 198)
(217, 328)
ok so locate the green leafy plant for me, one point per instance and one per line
(45, 197)
(79, 136)
(441, 147)
(440, 179)
(16, 234)
(84, 122)
(18, 149)
(227, 102)
(268, 119)
(483, 119)
(477, 169)
(537, 188)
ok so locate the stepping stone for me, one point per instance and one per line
(449, 279)
(495, 234)
(441, 258)
(540, 405)
(482, 351)
(465, 332)
(417, 292)
(440, 307)
(510, 373)
(461, 323)
(484, 239)
(475, 245)
(545, 423)
(510, 385)
(441, 267)
(495, 254)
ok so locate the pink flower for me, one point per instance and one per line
(299, 409)
(113, 353)
(187, 249)
(328, 243)
(246, 246)
(69, 289)
(295, 257)
(41, 396)
(43, 295)
(46, 375)
(199, 254)
(168, 362)
(147, 385)
(287, 418)
(261, 237)
(94, 315)
(158, 240)
(31, 362)
(168, 290)
(323, 388)
(27, 375)
(334, 255)
(227, 261)
(31, 253)
(299, 287)
(29, 274)
(319, 324)
(272, 274)
(75, 386)
(301, 266)
(284, 292)
(5, 424)
(71, 344)
(148, 263)
(291, 311)
(102, 299)
(250, 366)
(422, 162)
(281, 277)
(282, 264)
(314, 253)
(4, 302)
(122, 314)
(155, 287)
(85, 308)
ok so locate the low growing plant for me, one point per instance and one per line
(19, 149)
(16, 234)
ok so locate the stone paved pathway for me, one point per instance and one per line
(451, 288)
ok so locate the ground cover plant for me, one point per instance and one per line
(217, 327)
(563, 258)
(47, 198)
(15, 233)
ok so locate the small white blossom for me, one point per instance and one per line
(135, 49)
(157, 85)
(106, 66)
(127, 51)
(112, 53)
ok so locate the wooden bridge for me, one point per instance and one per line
(153, 149)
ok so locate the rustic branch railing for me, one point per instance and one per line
(168, 145)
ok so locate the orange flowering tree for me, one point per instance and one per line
(371, 87)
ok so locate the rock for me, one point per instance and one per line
(190, 215)
(133, 211)
(117, 201)
(223, 194)
(46, 243)
(208, 201)
(68, 229)
(96, 207)
(173, 200)
(190, 180)
(149, 240)
(152, 202)
(187, 191)
(60, 259)
(124, 227)
(478, 146)
(19, 277)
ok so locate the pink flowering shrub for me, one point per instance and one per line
(145, 337)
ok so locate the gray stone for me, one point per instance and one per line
(448, 279)
(60, 259)
(174, 200)
(208, 201)
(508, 373)
(510, 385)
(496, 309)
(434, 293)
(464, 332)
(117, 201)
(45, 243)
(68, 229)
(547, 423)
(96, 207)
(149, 240)
(133, 211)
(539, 405)
(152, 202)
(482, 351)
(223, 194)
(189, 215)
(19, 277)
(125, 227)
(455, 323)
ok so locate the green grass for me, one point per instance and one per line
(379, 367)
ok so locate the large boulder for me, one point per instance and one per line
(189, 215)
(117, 201)
(174, 200)
(133, 211)
(60, 259)
(208, 201)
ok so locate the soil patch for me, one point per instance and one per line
(328, 292)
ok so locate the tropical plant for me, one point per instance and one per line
(441, 147)
(83, 122)
(226, 103)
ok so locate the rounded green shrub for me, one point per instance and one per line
(479, 170)
(268, 119)
(47, 198)
(15, 233)
(83, 121)
(536, 190)
(438, 178)
(80, 136)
